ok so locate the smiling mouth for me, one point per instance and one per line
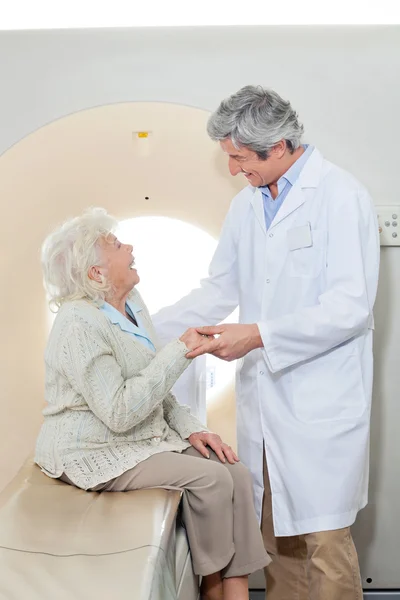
(132, 265)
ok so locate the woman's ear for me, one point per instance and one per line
(95, 274)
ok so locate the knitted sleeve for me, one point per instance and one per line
(180, 418)
(91, 369)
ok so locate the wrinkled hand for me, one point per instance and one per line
(233, 341)
(194, 340)
(201, 440)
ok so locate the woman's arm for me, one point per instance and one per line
(93, 372)
(180, 418)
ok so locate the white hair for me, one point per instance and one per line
(69, 252)
(257, 118)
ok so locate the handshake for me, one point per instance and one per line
(193, 338)
(233, 340)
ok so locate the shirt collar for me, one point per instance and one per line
(135, 308)
(293, 173)
(118, 318)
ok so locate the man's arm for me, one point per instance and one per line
(216, 297)
(343, 311)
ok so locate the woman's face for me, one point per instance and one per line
(117, 264)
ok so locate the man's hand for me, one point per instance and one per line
(233, 341)
(201, 440)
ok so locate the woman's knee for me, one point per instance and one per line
(241, 477)
(219, 478)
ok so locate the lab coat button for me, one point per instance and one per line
(268, 280)
(271, 235)
(261, 372)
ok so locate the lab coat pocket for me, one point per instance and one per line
(308, 261)
(329, 388)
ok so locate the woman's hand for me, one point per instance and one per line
(193, 339)
(201, 440)
(234, 341)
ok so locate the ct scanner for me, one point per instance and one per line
(65, 153)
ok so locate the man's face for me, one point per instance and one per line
(258, 172)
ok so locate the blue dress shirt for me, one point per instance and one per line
(285, 184)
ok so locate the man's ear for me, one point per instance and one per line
(279, 149)
(95, 274)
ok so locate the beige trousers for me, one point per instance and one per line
(217, 508)
(315, 566)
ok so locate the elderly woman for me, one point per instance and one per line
(111, 423)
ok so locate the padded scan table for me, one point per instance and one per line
(58, 542)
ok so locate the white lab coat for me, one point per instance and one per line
(307, 394)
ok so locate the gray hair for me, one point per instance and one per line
(257, 118)
(69, 252)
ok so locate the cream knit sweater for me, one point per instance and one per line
(109, 404)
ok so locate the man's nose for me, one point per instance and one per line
(234, 167)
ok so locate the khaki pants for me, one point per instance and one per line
(217, 508)
(315, 566)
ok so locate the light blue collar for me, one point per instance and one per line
(293, 173)
(118, 318)
(125, 324)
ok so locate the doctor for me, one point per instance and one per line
(299, 254)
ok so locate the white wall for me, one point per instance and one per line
(344, 83)
(342, 80)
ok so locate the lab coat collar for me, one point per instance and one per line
(309, 177)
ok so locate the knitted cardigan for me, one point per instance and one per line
(108, 397)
